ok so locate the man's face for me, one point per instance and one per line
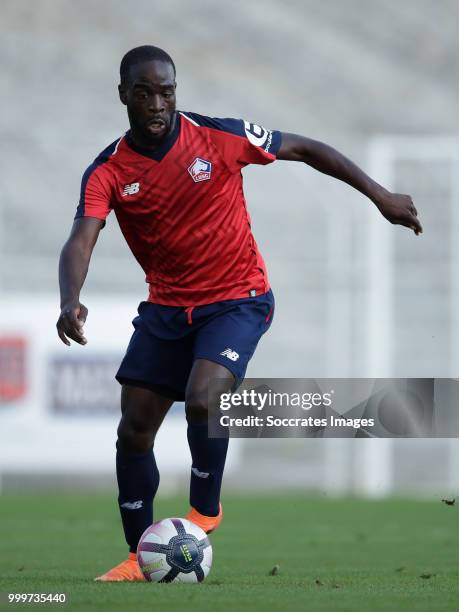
(149, 95)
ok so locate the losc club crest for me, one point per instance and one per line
(200, 170)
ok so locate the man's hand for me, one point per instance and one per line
(399, 210)
(73, 267)
(70, 323)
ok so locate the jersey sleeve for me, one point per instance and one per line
(240, 142)
(95, 194)
(97, 186)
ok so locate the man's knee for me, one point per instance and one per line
(196, 406)
(142, 414)
(135, 436)
(203, 398)
(200, 403)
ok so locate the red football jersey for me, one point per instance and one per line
(182, 209)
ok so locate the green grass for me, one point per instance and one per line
(347, 555)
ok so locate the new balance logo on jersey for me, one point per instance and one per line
(200, 170)
(230, 354)
(131, 189)
(132, 505)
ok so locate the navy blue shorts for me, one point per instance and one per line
(167, 340)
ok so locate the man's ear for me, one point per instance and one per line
(122, 93)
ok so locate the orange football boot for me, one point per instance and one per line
(207, 523)
(126, 571)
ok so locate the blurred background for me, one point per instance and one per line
(355, 297)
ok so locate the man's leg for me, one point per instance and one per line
(208, 454)
(138, 478)
(143, 412)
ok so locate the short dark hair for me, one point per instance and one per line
(145, 53)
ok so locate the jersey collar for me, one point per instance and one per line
(163, 149)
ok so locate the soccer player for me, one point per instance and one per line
(174, 182)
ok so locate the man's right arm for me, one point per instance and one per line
(73, 267)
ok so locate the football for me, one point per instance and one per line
(174, 550)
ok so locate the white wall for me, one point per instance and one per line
(35, 438)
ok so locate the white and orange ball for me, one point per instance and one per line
(174, 550)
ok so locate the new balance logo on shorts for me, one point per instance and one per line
(136, 505)
(230, 354)
(131, 189)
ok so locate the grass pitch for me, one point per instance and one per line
(347, 555)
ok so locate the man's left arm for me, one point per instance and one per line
(395, 207)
